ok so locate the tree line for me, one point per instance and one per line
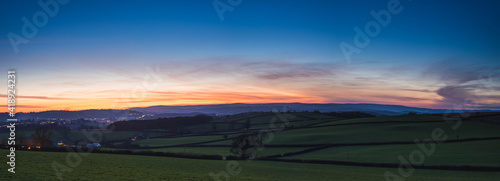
(175, 124)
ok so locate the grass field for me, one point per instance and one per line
(295, 123)
(405, 117)
(78, 135)
(95, 166)
(484, 153)
(175, 141)
(225, 151)
(385, 132)
(100, 166)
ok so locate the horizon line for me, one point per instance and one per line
(185, 105)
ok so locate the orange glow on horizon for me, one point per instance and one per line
(183, 96)
(35, 105)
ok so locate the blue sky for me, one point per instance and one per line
(263, 51)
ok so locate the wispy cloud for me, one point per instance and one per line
(25, 106)
(401, 98)
(295, 71)
(39, 97)
(235, 66)
(465, 84)
(418, 90)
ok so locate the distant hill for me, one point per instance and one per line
(108, 114)
(153, 112)
(68, 115)
(375, 109)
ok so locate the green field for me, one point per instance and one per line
(406, 117)
(225, 151)
(78, 135)
(297, 137)
(175, 141)
(295, 123)
(462, 153)
(385, 132)
(95, 166)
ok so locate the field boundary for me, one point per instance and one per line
(325, 146)
(389, 165)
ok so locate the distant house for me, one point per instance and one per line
(94, 145)
(138, 137)
(59, 144)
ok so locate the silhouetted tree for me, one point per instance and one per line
(64, 130)
(21, 140)
(352, 114)
(167, 124)
(42, 136)
(412, 113)
(246, 145)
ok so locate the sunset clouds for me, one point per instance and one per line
(245, 81)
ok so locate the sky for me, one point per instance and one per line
(76, 55)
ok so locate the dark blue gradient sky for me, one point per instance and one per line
(91, 54)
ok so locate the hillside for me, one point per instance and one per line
(320, 145)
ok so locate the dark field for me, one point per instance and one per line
(301, 138)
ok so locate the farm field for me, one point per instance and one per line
(260, 90)
(223, 151)
(175, 141)
(480, 153)
(383, 132)
(96, 166)
(368, 140)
